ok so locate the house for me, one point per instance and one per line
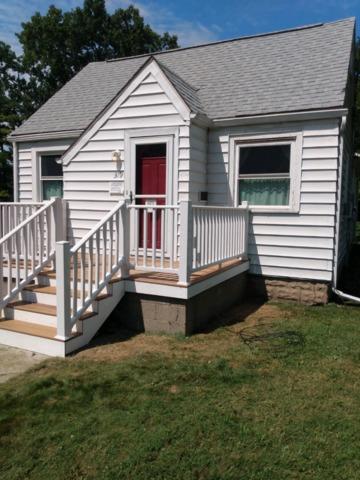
(160, 185)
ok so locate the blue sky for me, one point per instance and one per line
(197, 21)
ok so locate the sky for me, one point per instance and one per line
(199, 21)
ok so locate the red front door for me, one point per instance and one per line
(150, 181)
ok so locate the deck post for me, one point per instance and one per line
(186, 242)
(125, 225)
(62, 252)
(246, 230)
(59, 220)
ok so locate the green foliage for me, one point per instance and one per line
(55, 47)
(241, 413)
(357, 97)
(59, 44)
(10, 114)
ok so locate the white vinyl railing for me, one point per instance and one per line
(186, 238)
(25, 250)
(210, 235)
(219, 234)
(14, 213)
(155, 229)
(83, 271)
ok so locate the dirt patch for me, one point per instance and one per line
(113, 344)
(14, 361)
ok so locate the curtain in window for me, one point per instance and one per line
(262, 191)
(52, 188)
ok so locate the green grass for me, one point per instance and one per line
(285, 404)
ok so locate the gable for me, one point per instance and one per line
(150, 100)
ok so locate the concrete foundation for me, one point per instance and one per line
(303, 291)
(155, 314)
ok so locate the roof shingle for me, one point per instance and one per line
(299, 69)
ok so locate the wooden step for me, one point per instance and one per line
(42, 309)
(28, 328)
(33, 329)
(51, 290)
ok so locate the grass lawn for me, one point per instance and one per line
(272, 393)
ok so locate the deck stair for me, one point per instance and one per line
(56, 311)
(31, 322)
(59, 294)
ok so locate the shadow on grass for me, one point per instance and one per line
(276, 342)
(234, 315)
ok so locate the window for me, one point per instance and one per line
(264, 174)
(51, 176)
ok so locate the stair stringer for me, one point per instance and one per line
(91, 325)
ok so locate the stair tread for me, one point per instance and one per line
(41, 289)
(52, 291)
(42, 308)
(28, 328)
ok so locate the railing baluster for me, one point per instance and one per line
(10, 266)
(145, 236)
(104, 233)
(162, 237)
(137, 228)
(83, 272)
(90, 267)
(97, 259)
(153, 236)
(111, 235)
(75, 284)
(17, 258)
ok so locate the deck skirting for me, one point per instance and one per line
(164, 314)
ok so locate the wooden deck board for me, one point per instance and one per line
(28, 328)
(165, 278)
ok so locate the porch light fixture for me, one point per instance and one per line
(116, 156)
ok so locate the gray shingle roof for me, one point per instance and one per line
(286, 71)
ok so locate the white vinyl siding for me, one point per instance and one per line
(87, 176)
(294, 245)
(27, 151)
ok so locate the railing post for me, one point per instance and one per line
(186, 242)
(246, 229)
(58, 232)
(62, 252)
(125, 225)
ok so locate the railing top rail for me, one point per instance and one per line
(97, 227)
(27, 220)
(153, 206)
(221, 207)
(22, 204)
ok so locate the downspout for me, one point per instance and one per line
(15, 172)
(339, 293)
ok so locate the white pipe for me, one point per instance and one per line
(339, 293)
(345, 296)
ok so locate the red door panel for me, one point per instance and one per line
(151, 180)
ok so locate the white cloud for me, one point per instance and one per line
(163, 19)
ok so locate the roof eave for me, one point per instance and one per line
(318, 114)
(23, 137)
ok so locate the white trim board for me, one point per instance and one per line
(184, 293)
(152, 68)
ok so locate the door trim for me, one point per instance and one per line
(150, 136)
(169, 136)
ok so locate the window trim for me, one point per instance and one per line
(36, 154)
(48, 177)
(295, 141)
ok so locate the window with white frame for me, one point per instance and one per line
(51, 176)
(268, 171)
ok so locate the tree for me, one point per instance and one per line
(11, 85)
(59, 44)
(357, 97)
